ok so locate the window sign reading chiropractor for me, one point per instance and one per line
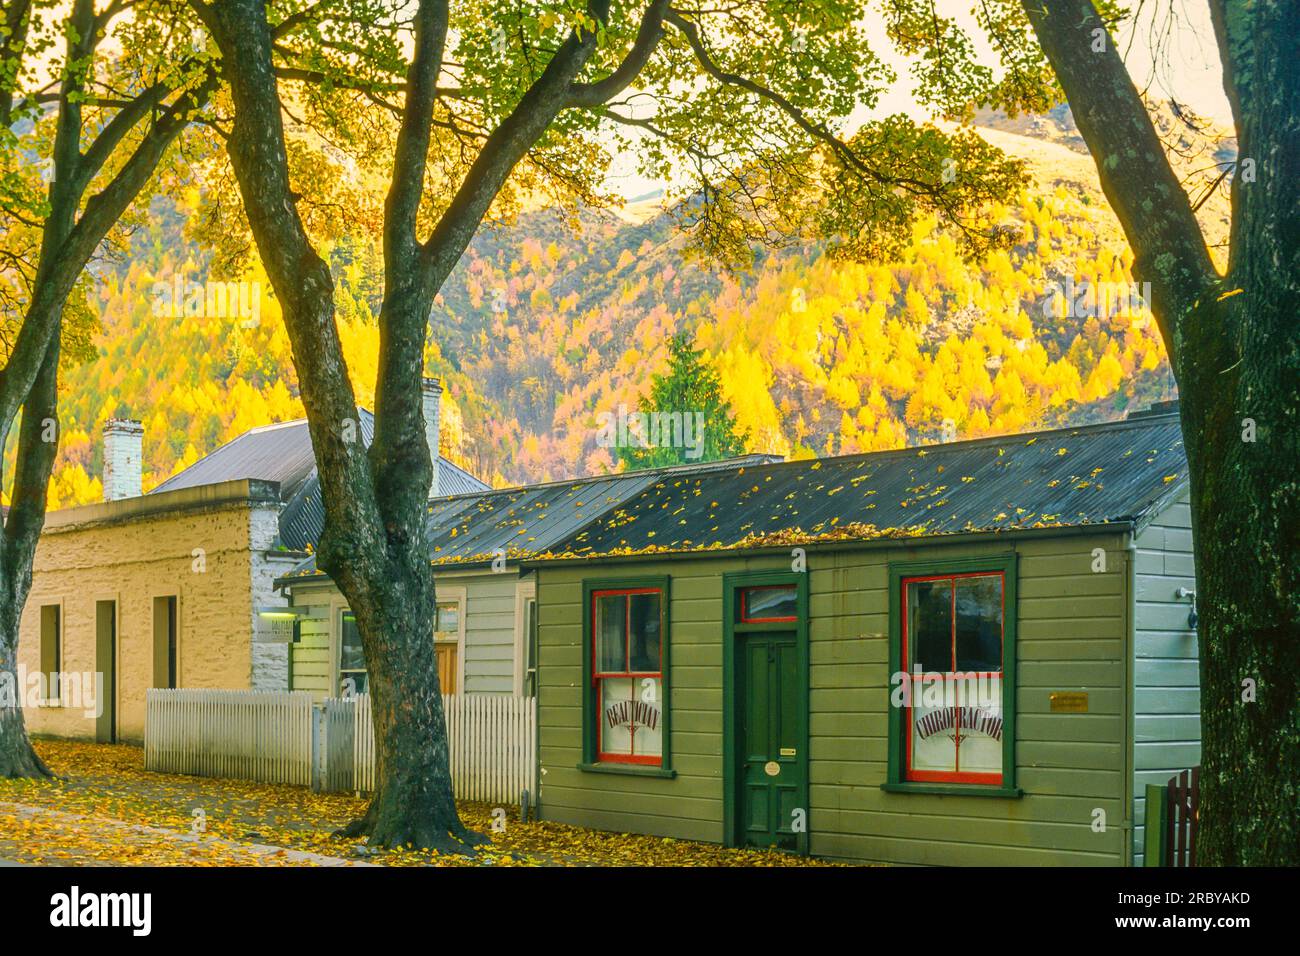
(951, 695)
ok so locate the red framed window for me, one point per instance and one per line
(769, 603)
(954, 628)
(627, 674)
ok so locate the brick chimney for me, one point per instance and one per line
(123, 438)
(432, 390)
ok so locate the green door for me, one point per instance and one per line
(772, 764)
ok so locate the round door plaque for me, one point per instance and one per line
(771, 768)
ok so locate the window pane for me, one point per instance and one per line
(980, 742)
(979, 623)
(645, 638)
(631, 717)
(934, 738)
(351, 656)
(929, 625)
(448, 618)
(352, 683)
(611, 633)
(353, 679)
(770, 602)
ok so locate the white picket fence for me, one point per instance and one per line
(493, 744)
(284, 738)
(244, 735)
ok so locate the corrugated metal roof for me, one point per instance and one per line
(283, 453)
(519, 522)
(1116, 472)
(1113, 472)
(280, 453)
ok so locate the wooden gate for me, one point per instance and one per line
(1173, 818)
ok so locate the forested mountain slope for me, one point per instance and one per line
(543, 327)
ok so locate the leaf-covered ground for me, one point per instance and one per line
(105, 809)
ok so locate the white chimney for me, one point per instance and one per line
(432, 391)
(123, 438)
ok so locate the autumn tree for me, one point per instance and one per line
(1234, 345)
(487, 106)
(90, 105)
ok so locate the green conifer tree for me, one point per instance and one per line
(692, 389)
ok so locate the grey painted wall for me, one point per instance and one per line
(1166, 677)
(489, 631)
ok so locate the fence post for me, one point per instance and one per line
(318, 747)
(1157, 819)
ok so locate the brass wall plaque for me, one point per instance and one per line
(1069, 702)
(771, 768)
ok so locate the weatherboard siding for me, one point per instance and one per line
(311, 656)
(1166, 673)
(1073, 628)
(489, 646)
(489, 632)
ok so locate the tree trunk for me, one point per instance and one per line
(373, 542)
(1244, 518)
(30, 375)
(1237, 354)
(1234, 344)
(389, 586)
(22, 530)
(413, 803)
(17, 758)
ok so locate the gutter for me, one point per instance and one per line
(320, 577)
(242, 491)
(1122, 526)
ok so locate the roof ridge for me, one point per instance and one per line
(720, 465)
(940, 447)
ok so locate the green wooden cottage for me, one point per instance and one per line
(970, 653)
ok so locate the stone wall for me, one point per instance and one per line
(194, 544)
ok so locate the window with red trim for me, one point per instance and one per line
(771, 602)
(953, 645)
(627, 674)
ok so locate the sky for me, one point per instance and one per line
(1169, 48)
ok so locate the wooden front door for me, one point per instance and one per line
(772, 764)
(447, 666)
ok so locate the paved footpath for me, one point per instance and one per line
(39, 835)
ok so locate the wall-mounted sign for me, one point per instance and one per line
(1069, 702)
(771, 768)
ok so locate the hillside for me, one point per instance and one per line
(541, 328)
